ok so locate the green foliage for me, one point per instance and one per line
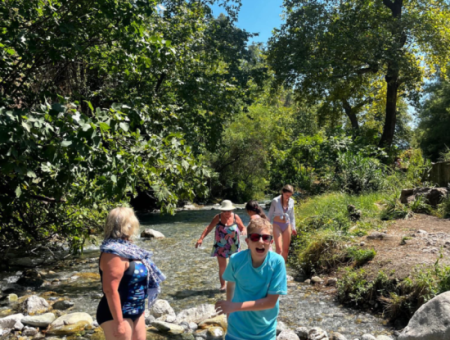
(394, 209)
(57, 163)
(360, 256)
(419, 205)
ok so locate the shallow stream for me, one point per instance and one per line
(192, 279)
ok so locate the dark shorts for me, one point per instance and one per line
(104, 314)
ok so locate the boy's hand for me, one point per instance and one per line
(225, 307)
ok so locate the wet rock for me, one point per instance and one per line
(338, 336)
(431, 321)
(316, 279)
(30, 278)
(302, 333)
(70, 323)
(86, 277)
(39, 336)
(35, 304)
(29, 331)
(218, 321)
(332, 281)
(383, 337)
(308, 281)
(69, 329)
(149, 319)
(160, 308)
(287, 335)
(317, 333)
(171, 318)
(215, 333)
(63, 305)
(193, 326)
(197, 314)
(167, 327)
(368, 337)
(30, 262)
(11, 321)
(13, 298)
(281, 326)
(98, 334)
(42, 320)
(200, 334)
(51, 272)
(150, 233)
(289, 278)
(11, 287)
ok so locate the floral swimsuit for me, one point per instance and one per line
(226, 241)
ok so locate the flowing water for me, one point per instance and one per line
(192, 278)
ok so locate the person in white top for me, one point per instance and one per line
(282, 213)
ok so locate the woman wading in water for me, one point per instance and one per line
(228, 227)
(282, 212)
(128, 277)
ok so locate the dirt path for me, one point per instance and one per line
(407, 244)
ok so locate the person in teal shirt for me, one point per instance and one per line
(255, 279)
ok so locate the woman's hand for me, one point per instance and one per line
(244, 232)
(199, 243)
(294, 232)
(225, 307)
(119, 329)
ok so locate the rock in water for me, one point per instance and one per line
(70, 323)
(42, 320)
(63, 305)
(29, 331)
(368, 337)
(30, 278)
(197, 314)
(287, 335)
(35, 304)
(215, 333)
(281, 327)
(150, 233)
(317, 333)
(431, 321)
(160, 308)
(168, 327)
(12, 322)
(218, 321)
(383, 337)
(316, 279)
(338, 336)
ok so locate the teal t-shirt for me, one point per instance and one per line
(254, 284)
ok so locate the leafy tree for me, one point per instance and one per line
(434, 124)
(357, 43)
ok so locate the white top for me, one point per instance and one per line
(276, 209)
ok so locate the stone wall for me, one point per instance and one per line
(440, 173)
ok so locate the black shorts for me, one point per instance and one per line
(104, 314)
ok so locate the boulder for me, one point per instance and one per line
(29, 331)
(12, 322)
(35, 305)
(317, 333)
(433, 196)
(160, 308)
(197, 314)
(302, 333)
(30, 278)
(316, 279)
(281, 326)
(287, 335)
(431, 321)
(193, 326)
(42, 320)
(168, 327)
(63, 305)
(218, 321)
(338, 336)
(171, 318)
(332, 281)
(70, 323)
(368, 337)
(150, 233)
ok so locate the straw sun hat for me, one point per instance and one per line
(226, 206)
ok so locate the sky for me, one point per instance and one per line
(257, 16)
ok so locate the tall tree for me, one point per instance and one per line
(359, 42)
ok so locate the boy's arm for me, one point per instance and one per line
(227, 307)
(230, 290)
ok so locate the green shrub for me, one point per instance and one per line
(443, 210)
(394, 209)
(360, 256)
(420, 206)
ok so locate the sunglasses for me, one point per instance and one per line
(257, 237)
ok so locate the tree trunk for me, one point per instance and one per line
(351, 115)
(391, 109)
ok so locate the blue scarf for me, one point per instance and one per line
(130, 251)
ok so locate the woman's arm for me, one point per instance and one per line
(207, 230)
(271, 210)
(241, 226)
(113, 268)
(228, 307)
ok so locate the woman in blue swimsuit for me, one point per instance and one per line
(128, 277)
(282, 213)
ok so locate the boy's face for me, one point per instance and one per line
(260, 248)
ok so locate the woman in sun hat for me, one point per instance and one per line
(229, 227)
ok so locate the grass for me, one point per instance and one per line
(360, 256)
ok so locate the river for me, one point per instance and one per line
(192, 279)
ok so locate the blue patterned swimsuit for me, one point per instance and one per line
(132, 292)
